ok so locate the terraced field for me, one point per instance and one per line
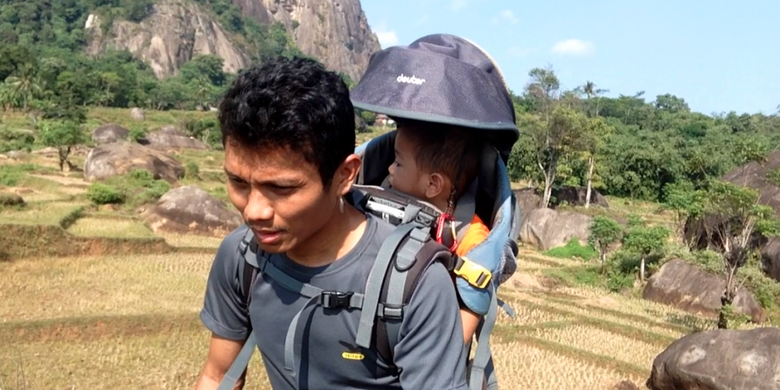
(130, 320)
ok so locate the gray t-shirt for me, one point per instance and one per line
(429, 353)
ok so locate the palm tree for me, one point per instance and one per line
(26, 85)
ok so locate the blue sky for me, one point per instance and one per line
(718, 55)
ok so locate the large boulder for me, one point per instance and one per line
(702, 232)
(120, 158)
(546, 228)
(689, 288)
(575, 196)
(109, 133)
(527, 199)
(189, 209)
(171, 138)
(719, 360)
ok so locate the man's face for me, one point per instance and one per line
(280, 195)
(405, 176)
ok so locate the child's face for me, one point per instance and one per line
(405, 176)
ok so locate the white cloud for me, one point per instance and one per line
(508, 15)
(385, 36)
(457, 5)
(422, 20)
(574, 47)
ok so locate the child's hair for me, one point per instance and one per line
(451, 150)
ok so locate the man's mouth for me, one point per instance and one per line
(268, 237)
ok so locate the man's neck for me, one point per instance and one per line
(334, 240)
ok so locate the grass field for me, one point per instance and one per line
(131, 321)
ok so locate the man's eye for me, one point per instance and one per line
(237, 182)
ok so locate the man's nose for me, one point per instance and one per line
(391, 169)
(258, 208)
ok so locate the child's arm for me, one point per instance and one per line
(470, 322)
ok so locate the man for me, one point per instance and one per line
(289, 133)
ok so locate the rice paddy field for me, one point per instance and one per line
(130, 320)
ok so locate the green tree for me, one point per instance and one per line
(644, 241)
(62, 135)
(737, 217)
(604, 231)
(684, 201)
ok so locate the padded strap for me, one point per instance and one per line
(374, 282)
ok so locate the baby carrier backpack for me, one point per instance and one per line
(412, 247)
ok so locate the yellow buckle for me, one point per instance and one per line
(474, 273)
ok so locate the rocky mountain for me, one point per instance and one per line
(334, 31)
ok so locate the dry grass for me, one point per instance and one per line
(40, 214)
(179, 240)
(168, 359)
(75, 287)
(104, 227)
(529, 367)
(609, 344)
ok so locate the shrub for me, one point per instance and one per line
(192, 171)
(101, 193)
(573, 249)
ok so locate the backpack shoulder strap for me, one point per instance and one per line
(397, 289)
(247, 271)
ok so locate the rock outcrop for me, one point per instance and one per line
(719, 360)
(120, 158)
(334, 31)
(575, 196)
(700, 232)
(173, 33)
(189, 209)
(109, 133)
(689, 288)
(170, 138)
(546, 228)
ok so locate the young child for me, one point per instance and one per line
(436, 163)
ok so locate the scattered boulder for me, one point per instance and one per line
(189, 209)
(719, 360)
(527, 199)
(137, 114)
(15, 154)
(700, 232)
(109, 133)
(3, 157)
(120, 158)
(770, 258)
(689, 288)
(10, 199)
(546, 228)
(171, 138)
(575, 196)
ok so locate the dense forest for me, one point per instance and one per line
(43, 64)
(628, 146)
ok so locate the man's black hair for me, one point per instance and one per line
(291, 103)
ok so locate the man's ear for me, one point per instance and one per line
(345, 175)
(436, 185)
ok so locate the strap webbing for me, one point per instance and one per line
(482, 357)
(374, 283)
(239, 365)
